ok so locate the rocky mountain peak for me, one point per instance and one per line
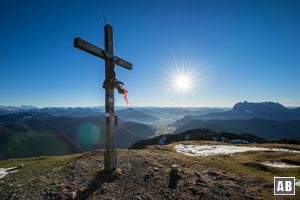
(263, 107)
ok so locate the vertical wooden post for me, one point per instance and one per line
(110, 152)
(109, 84)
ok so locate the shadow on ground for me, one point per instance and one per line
(95, 185)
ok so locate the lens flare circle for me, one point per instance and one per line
(88, 134)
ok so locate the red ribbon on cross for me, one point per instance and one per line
(125, 97)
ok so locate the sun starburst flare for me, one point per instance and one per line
(183, 79)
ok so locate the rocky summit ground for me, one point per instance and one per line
(145, 174)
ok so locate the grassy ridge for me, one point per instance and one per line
(79, 175)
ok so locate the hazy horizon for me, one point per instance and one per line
(142, 106)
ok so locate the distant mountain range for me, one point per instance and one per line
(175, 113)
(268, 129)
(28, 134)
(4, 110)
(127, 114)
(247, 110)
(268, 120)
(131, 114)
(147, 115)
(27, 131)
(54, 111)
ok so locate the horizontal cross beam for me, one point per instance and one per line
(101, 53)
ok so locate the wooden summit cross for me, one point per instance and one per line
(109, 84)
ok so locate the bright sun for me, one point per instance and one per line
(182, 80)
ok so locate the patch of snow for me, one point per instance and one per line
(211, 150)
(279, 164)
(4, 172)
(214, 138)
(162, 140)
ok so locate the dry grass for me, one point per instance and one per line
(223, 177)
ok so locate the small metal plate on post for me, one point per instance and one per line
(111, 100)
(107, 114)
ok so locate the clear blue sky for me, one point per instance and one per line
(239, 50)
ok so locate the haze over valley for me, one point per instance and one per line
(27, 131)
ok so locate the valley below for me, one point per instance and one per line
(57, 153)
(28, 131)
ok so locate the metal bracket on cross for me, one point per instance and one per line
(112, 84)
